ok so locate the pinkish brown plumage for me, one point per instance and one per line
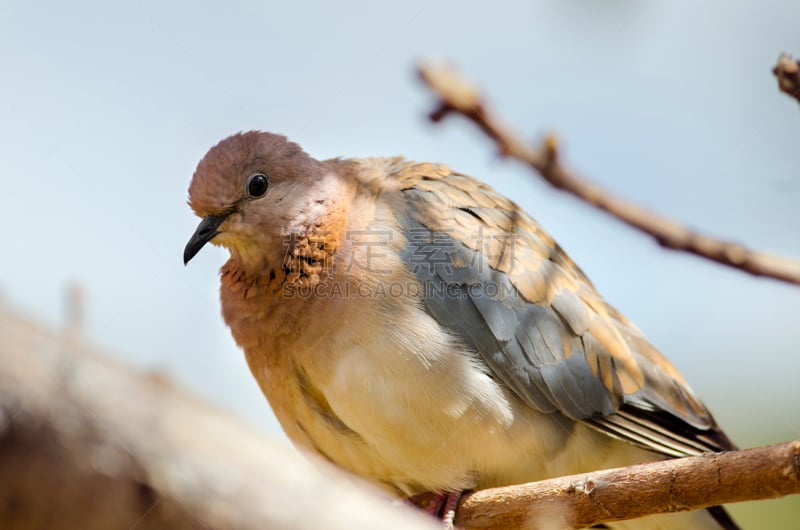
(359, 291)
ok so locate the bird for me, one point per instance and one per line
(413, 326)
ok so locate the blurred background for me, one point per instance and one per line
(105, 109)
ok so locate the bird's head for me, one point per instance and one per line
(256, 190)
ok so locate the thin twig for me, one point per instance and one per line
(788, 73)
(680, 484)
(456, 95)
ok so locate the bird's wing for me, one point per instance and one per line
(497, 280)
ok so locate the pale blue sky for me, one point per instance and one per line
(107, 107)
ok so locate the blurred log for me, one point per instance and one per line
(89, 442)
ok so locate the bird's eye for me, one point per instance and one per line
(256, 185)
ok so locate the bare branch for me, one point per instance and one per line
(681, 484)
(456, 95)
(788, 73)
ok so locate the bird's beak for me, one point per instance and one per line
(205, 232)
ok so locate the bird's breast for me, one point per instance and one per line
(373, 383)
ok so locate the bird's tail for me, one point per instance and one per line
(714, 518)
(723, 518)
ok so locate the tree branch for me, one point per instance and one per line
(681, 484)
(788, 73)
(456, 95)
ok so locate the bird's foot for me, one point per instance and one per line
(443, 507)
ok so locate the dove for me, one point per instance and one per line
(413, 326)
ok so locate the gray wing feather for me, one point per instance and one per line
(523, 343)
(544, 332)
